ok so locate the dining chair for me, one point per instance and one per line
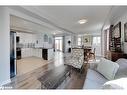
(92, 53)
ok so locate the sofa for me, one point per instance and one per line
(95, 80)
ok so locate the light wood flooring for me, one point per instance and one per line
(29, 79)
(28, 64)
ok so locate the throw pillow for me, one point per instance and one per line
(107, 68)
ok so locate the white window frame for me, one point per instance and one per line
(96, 40)
(79, 42)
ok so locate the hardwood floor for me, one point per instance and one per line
(76, 81)
(30, 80)
(28, 64)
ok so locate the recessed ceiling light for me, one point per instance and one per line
(54, 33)
(82, 21)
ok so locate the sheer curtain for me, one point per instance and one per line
(106, 42)
(96, 43)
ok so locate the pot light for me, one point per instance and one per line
(54, 33)
(82, 21)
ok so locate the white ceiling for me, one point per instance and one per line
(65, 18)
(23, 25)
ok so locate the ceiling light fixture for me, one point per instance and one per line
(54, 33)
(82, 21)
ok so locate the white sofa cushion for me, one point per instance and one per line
(107, 68)
(116, 84)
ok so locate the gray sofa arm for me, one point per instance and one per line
(93, 66)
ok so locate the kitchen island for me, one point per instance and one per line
(46, 53)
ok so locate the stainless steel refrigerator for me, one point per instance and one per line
(12, 54)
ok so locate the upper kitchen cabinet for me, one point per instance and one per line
(26, 37)
(44, 40)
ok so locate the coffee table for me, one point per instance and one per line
(53, 78)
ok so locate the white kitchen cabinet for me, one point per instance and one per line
(50, 54)
(47, 53)
(27, 52)
(37, 52)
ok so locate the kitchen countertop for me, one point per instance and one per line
(35, 47)
(42, 48)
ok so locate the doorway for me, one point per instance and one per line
(97, 45)
(13, 67)
(59, 44)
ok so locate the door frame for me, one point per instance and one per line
(60, 39)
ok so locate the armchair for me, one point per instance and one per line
(77, 58)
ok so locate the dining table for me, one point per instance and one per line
(87, 53)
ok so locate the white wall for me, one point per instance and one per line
(117, 14)
(123, 20)
(41, 43)
(5, 40)
(97, 47)
(25, 16)
(26, 37)
(66, 45)
(102, 43)
(4, 45)
(30, 18)
(74, 40)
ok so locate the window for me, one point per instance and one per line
(79, 41)
(96, 40)
(45, 38)
(59, 43)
